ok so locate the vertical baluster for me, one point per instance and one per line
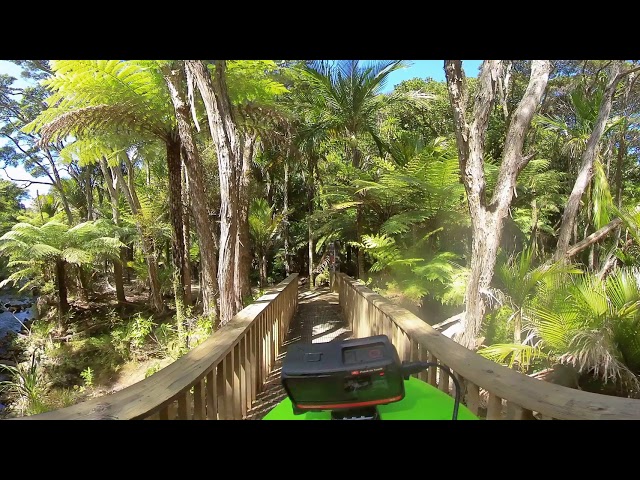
(260, 341)
(276, 334)
(237, 391)
(494, 409)
(432, 376)
(252, 361)
(212, 394)
(423, 356)
(222, 398)
(199, 412)
(245, 380)
(516, 412)
(172, 410)
(413, 351)
(228, 389)
(473, 397)
(273, 323)
(183, 405)
(395, 339)
(443, 383)
(406, 347)
(164, 413)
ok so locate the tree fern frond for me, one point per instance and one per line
(402, 222)
(42, 251)
(97, 118)
(76, 256)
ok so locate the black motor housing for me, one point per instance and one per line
(349, 374)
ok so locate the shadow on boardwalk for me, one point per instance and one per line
(317, 320)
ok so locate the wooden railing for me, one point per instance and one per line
(219, 379)
(505, 393)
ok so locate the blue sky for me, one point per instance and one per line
(429, 68)
(416, 68)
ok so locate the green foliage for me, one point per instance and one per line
(11, 197)
(87, 375)
(31, 248)
(589, 323)
(28, 384)
(66, 362)
(253, 81)
(100, 95)
(513, 355)
(130, 339)
(263, 223)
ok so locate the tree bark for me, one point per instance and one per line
(88, 192)
(113, 197)
(174, 168)
(193, 163)
(148, 249)
(63, 303)
(359, 219)
(242, 251)
(310, 195)
(487, 218)
(57, 183)
(593, 238)
(263, 269)
(224, 133)
(586, 167)
(186, 231)
(285, 217)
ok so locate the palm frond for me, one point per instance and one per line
(595, 350)
(513, 354)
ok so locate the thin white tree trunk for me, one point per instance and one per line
(586, 167)
(487, 217)
(223, 131)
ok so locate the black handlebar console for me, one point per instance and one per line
(348, 376)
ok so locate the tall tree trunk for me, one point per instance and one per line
(224, 133)
(517, 327)
(310, 195)
(487, 218)
(61, 281)
(285, 217)
(109, 182)
(57, 184)
(263, 269)
(186, 222)
(359, 219)
(198, 194)
(88, 193)
(146, 241)
(360, 254)
(242, 252)
(174, 168)
(84, 283)
(586, 167)
(622, 151)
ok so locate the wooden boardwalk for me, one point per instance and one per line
(317, 320)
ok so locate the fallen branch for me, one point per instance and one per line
(593, 238)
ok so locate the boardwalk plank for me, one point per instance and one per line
(317, 320)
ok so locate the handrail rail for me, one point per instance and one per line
(511, 395)
(219, 379)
